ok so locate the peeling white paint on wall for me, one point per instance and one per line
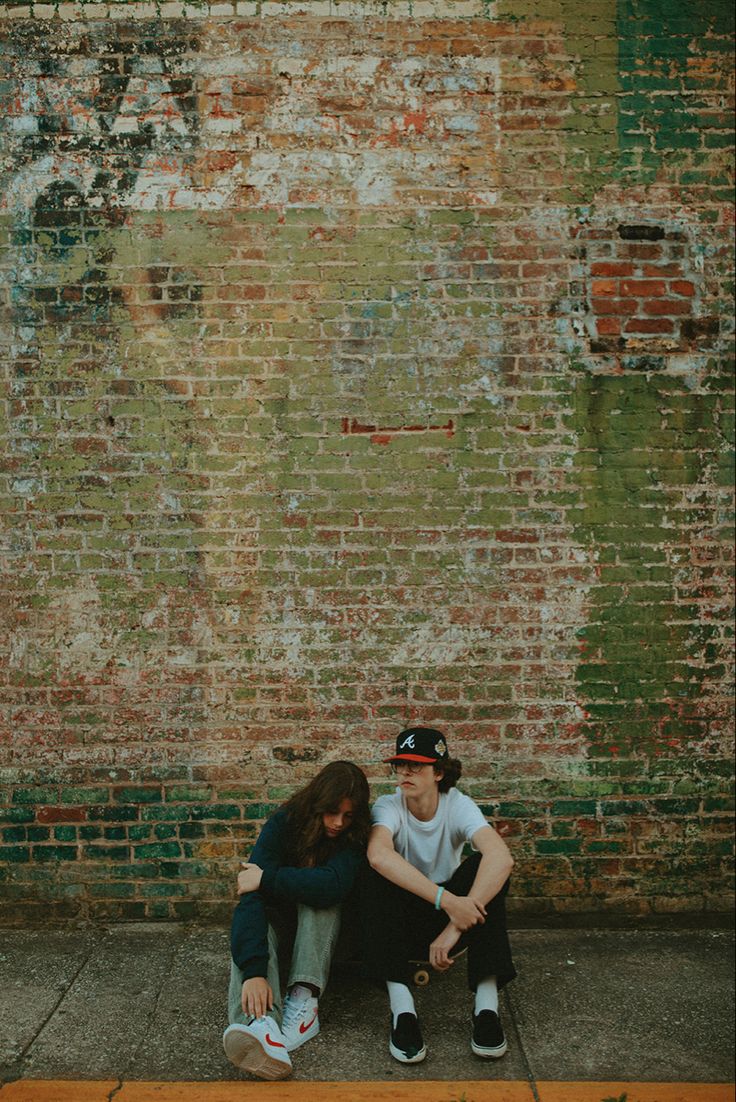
(404, 144)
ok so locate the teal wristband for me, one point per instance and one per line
(437, 899)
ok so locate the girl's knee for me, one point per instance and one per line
(318, 917)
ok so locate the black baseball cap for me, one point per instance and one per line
(422, 744)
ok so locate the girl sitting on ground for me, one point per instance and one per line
(302, 868)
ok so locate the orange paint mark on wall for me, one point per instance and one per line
(415, 120)
(383, 434)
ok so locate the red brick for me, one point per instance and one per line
(668, 306)
(61, 814)
(643, 288)
(604, 287)
(517, 535)
(661, 271)
(614, 305)
(682, 287)
(640, 251)
(612, 268)
(649, 325)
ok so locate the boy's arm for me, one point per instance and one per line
(462, 911)
(493, 871)
(495, 865)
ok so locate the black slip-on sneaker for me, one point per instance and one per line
(406, 1044)
(488, 1038)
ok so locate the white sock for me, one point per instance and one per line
(299, 993)
(486, 997)
(401, 999)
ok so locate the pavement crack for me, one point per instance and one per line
(176, 949)
(527, 1063)
(115, 1090)
(17, 1065)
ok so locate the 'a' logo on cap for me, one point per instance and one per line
(408, 741)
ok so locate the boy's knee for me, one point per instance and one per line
(372, 885)
(462, 879)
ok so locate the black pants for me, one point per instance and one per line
(398, 927)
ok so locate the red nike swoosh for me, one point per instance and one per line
(303, 1028)
(274, 1044)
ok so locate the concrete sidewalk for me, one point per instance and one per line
(147, 1002)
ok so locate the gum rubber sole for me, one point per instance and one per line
(248, 1054)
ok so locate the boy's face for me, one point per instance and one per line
(416, 781)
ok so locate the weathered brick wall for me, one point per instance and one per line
(365, 364)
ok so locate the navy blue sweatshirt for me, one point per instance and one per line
(323, 886)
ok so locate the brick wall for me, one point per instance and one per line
(365, 364)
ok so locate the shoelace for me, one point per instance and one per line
(295, 1012)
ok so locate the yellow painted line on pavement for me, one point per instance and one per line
(38, 1090)
(63, 1090)
(57, 1090)
(635, 1092)
(309, 1091)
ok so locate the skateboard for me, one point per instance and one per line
(423, 969)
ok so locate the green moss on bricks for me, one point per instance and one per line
(155, 850)
(138, 794)
(15, 854)
(188, 793)
(16, 815)
(557, 846)
(34, 795)
(637, 645)
(661, 48)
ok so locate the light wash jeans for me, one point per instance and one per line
(314, 944)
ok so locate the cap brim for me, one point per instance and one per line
(412, 757)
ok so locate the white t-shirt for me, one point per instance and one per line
(434, 847)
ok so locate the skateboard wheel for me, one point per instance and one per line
(421, 977)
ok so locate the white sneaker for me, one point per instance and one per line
(259, 1048)
(300, 1021)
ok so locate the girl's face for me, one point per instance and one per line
(335, 822)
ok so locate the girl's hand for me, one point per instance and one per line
(249, 878)
(257, 997)
(462, 911)
(442, 946)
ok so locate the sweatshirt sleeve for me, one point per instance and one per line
(249, 936)
(249, 927)
(323, 886)
(270, 848)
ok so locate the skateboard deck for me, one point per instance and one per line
(423, 969)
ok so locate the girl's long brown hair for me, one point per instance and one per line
(337, 781)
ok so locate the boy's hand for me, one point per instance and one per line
(257, 997)
(462, 911)
(442, 946)
(249, 878)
